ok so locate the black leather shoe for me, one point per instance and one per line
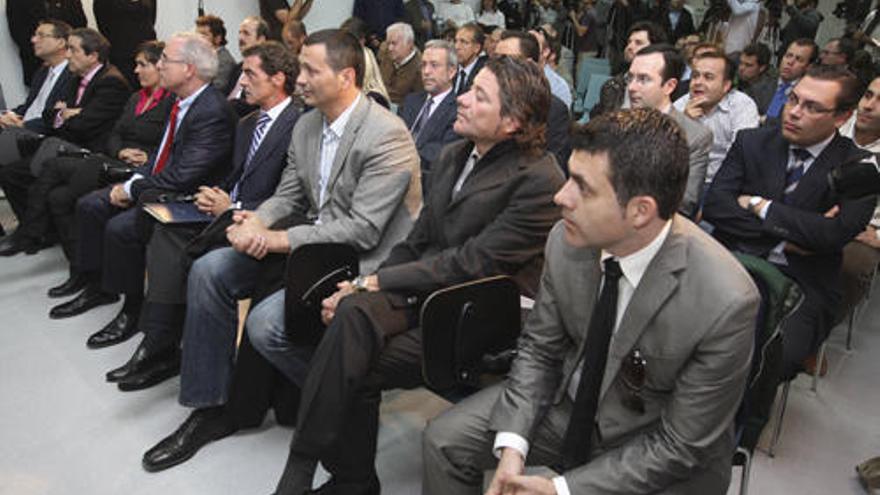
(334, 487)
(140, 361)
(88, 299)
(201, 427)
(69, 287)
(14, 244)
(152, 374)
(120, 329)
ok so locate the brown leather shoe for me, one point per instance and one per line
(810, 365)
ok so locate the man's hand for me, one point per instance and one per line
(69, 113)
(529, 485)
(11, 119)
(695, 107)
(510, 466)
(212, 200)
(248, 235)
(118, 197)
(869, 237)
(133, 156)
(329, 304)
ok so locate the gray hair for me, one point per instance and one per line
(197, 51)
(451, 57)
(404, 29)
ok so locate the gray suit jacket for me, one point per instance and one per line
(374, 190)
(699, 139)
(225, 67)
(692, 317)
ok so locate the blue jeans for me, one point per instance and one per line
(265, 328)
(216, 282)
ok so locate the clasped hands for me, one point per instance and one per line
(329, 304)
(248, 235)
(510, 480)
(66, 113)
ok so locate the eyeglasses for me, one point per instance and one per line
(634, 373)
(43, 36)
(165, 60)
(809, 107)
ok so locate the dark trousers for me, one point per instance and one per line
(805, 330)
(15, 179)
(371, 345)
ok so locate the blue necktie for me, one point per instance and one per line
(794, 172)
(256, 139)
(778, 100)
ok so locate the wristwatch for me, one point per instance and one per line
(359, 283)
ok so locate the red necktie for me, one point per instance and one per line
(166, 148)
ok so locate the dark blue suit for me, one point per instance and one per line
(200, 155)
(436, 132)
(59, 90)
(756, 165)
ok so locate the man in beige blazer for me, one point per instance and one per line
(650, 408)
(352, 177)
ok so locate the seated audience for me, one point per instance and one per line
(488, 213)
(798, 57)
(838, 51)
(49, 82)
(400, 62)
(111, 229)
(260, 153)
(558, 85)
(251, 31)
(429, 114)
(653, 75)
(713, 102)
(754, 75)
(368, 199)
(772, 198)
(214, 30)
(51, 198)
(649, 410)
(373, 86)
(469, 41)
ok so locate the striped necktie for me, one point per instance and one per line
(795, 171)
(423, 116)
(256, 139)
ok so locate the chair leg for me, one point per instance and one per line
(777, 427)
(820, 358)
(849, 328)
(746, 474)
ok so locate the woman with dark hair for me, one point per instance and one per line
(490, 15)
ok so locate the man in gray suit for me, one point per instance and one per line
(352, 177)
(634, 359)
(653, 77)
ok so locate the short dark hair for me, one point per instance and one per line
(476, 30)
(814, 55)
(274, 58)
(151, 50)
(262, 26)
(60, 29)
(91, 42)
(729, 71)
(673, 60)
(759, 51)
(654, 161)
(343, 51)
(357, 27)
(528, 45)
(215, 25)
(525, 96)
(847, 47)
(850, 88)
(656, 34)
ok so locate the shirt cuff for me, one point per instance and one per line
(505, 439)
(561, 486)
(127, 185)
(763, 212)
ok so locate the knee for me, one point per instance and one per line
(90, 203)
(265, 324)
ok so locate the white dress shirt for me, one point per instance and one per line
(331, 134)
(558, 87)
(35, 111)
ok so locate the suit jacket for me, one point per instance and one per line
(225, 66)
(697, 364)
(144, 131)
(755, 165)
(415, 17)
(403, 80)
(200, 153)
(762, 91)
(373, 193)
(684, 27)
(497, 224)
(699, 139)
(59, 91)
(102, 103)
(481, 61)
(437, 132)
(260, 179)
(558, 132)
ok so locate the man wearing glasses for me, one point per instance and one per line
(633, 361)
(771, 198)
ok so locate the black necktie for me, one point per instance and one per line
(579, 435)
(462, 79)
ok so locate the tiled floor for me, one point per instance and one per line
(63, 430)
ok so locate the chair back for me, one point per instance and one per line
(587, 69)
(312, 272)
(462, 325)
(594, 91)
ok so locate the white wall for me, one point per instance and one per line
(172, 16)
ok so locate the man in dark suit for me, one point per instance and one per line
(429, 114)
(420, 15)
(633, 361)
(469, 49)
(84, 117)
(755, 76)
(798, 57)
(260, 153)
(194, 150)
(675, 19)
(771, 198)
(251, 31)
(49, 82)
(127, 24)
(488, 214)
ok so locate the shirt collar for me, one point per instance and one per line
(407, 59)
(439, 97)
(184, 104)
(338, 126)
(275, 111)
(90, 74)
(817, 148)
(59, 67)
(470, 66)
(634, 265)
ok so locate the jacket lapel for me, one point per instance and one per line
(487, 173)
(349, 134)
(431, 127)
(273, 137)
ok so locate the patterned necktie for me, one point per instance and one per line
(795, 171)
(578, 439)
(424, 113)
(256, 139)
(778, 100)
(165, 153)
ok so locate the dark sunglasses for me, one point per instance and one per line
(634, 373)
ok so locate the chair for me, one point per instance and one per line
(587, 68)
(780, 297)
(593, 93)
(468, 330)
